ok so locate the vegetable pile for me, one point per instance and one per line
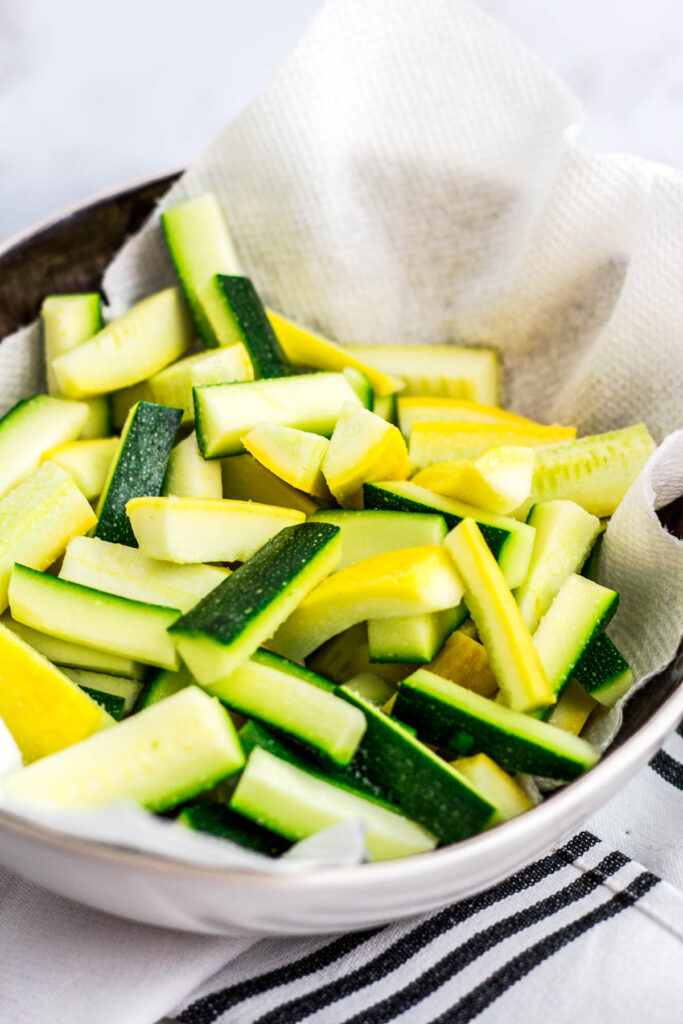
(320, 583)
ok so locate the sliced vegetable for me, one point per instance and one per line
(29, 429)
(199, 241)
(603, 672)
(498, 481)
(296, 456)
(371, 688)
(564, 535)
(245, 479)
(90, 617)
(174, 385)
(471, 373)
(294, 700)
(514, 659)
(448, 442)
(595, 472)
(227, 626)
(363, 448)
(573, 709)
(430, 409)
(148, 337)
(495, 785)
(304, 347)
(386, 407)
(347, 656)
(162, 685)
(578, 614)
(119, 569)
(64, 653)
(297, 804)
(107, 701)
(198, 530)
(221, 821)
(41, 707)
(138, 468)
(364, 534)
(189, 475)
(406, 582)
(510, 541)
(458, 719)
(88, 462)
(465, 661)
(38, 519)
(237, 316)
(413, 638)
(226, 412)
(123, 401)
(159, 757)
(127, 690)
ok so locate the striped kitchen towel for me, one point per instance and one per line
(590, 932)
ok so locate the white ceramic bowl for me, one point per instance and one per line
(68, 253)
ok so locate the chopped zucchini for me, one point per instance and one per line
(429, 409)
(465, 661)
(373, 532)
(510, 541)
(495, 785)
(306, 348)
(514, 659)
(296, 456)
(221, 821)
(69, 655)
(448, 442)
(119, 569)
(126, 690)
(297, 804)
(148, 337)
(347, 655)
(371, 688)
(41, 707)
(454, 718)
(573, 709)
(406, 582)
(227, 626)
(174, 385)
(386, 407)
(159, 757)
(88, 462)
(226, 412)
(245, 479)
(199, 241)
(38, 519)
(498, 481)
(123, 401)
(162, 685)
(198, 530)
(603, 672)
(294, 700)
(93, 618)
(138, 468)
(189, 475)
(363, 448)
(413, 638)
(237, 316)
(578, 614)
(595, 472)
(107, 701)
(29, 429)
(450, 370)
(564, 535)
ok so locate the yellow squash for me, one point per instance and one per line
(498, 481)
(296, 456)
(450, 442)
(363, 448)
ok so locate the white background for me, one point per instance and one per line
(94, 93)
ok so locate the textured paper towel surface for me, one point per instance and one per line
(412, 175)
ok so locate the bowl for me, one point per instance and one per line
(69, 253)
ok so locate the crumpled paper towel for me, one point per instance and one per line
(412, 174)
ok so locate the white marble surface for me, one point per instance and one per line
(92, 94)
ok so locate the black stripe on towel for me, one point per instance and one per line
(208, 1008)
(476, 1001)
(668, 768)
(462, 956)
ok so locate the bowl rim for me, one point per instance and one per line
(566, 803)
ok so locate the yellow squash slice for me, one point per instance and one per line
(437, 408)
(87, 462)
(495, 785)
(296, 456)
(450, 370)
(465, 661)
(498, 481)
(573, 709)
(451, 442)
(363, 448)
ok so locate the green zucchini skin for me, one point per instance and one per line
(603, 671)
(221, 821)
(375, 496)
(248, 314)
(547, 752)
(162, 684)
(138, 469)
(112, 704)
